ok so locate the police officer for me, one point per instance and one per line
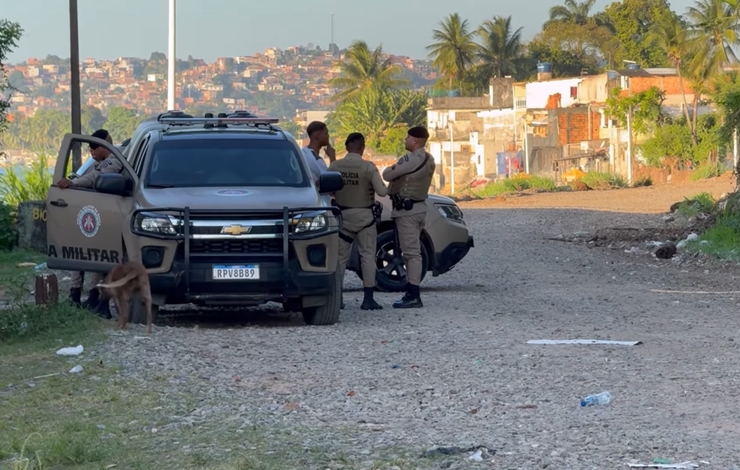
(105, 162)
(409, 184)
(359, 211)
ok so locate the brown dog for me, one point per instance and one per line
(122, 283)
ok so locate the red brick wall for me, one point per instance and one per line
(670, 84)
(573, 126)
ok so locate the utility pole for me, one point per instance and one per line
(332, 30)
(452, 158)
(171, 60)
(74, 65)
(629, 146)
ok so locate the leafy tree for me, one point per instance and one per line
(290, 126)
(632, 21)
(572, 48)
(715, 31)
(670, 140)
(10, 34)
(122, 123)
(92, 119)
(646, 108)
(365, 70)
(454, 51)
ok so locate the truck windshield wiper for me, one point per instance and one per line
(161, 186)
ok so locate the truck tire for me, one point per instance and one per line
(327, 314)
(138, 312)
(387, 279)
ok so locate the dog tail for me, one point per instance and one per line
(121, 282)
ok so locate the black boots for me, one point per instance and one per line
(411, 299)
(74, 297)
(369, 303)
(97, 305)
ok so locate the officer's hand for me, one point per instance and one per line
(64, 183)
(330, 152)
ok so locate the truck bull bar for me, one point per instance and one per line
(185, 214)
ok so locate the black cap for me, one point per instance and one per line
(353, 137)
(100, 134)
(420, 132)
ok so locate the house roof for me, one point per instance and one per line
(651, 72)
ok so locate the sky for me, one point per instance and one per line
(227, 28)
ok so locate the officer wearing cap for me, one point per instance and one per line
(359, 211)
(105, 162)
(409, 184)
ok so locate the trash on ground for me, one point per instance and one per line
(440, 450)
(46, 375)
(602, 398)
(683, 465)
(660, 460)
(71, 351)
(477, 456)
(76, 369)
(26, 265)
(583, 341)
(666, 251)
(40, 267)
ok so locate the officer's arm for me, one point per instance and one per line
(110, 165)
(403, 166)
(380, 188)
(87, 180)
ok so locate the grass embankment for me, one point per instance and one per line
(722, 238)
(520, 183)
(105, 417)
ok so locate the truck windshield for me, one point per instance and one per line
(224, 163)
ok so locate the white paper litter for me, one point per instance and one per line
(683, 465)
(477, 456)
(75, 370)
(76, 351)
(583, 341)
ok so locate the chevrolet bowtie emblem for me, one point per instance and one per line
(236, 230)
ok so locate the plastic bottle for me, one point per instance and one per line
(602, 398)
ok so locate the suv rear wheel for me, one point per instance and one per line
(327, 314)
(391, 274)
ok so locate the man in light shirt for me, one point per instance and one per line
(318, 135)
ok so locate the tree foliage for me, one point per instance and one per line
(632, 21)
(10, 34)
(646, 108)
(365, 70)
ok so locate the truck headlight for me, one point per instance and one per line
(162, 224)
(450, 212)
(310, 222)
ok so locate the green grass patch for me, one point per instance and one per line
(722, 240)
(701, 203)
(642, 182)
(600, 180)
(514, 185)
(707, 170)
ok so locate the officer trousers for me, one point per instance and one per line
(78, 279)
(409, 229)
(355, 226)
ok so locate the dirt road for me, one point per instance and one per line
(378, 389)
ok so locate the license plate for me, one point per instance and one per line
(240, 272)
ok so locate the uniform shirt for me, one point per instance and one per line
(316, 166)
(405, 165)
(87, 179)
(367, 174)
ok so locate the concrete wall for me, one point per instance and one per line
(596, 88)
(538, 92)
(501, 93)
(573, 125)
(456, 102)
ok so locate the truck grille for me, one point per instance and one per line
(246, 246)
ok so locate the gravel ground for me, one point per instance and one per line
(459, 371)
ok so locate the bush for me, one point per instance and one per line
(702, 203)
(707, 170)
(645, 181)
(722, 239)
(8, 234)
(29, 184)
(599, 180)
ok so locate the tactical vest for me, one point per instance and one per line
(358, 189)
(415, 185)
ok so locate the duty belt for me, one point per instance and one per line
(349, 238)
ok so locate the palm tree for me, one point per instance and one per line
(670, 35)
(454, 49)
(365, 70)
(501, 51)
(715, 30)
(572, 12)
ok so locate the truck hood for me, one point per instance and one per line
(435, 198)
(229, 198)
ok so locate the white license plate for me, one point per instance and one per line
(230, 273)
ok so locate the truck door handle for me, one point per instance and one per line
(59, 203)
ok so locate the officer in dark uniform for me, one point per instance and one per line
(409, 184)
(359, 212)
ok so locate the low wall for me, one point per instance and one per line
(31, 225)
